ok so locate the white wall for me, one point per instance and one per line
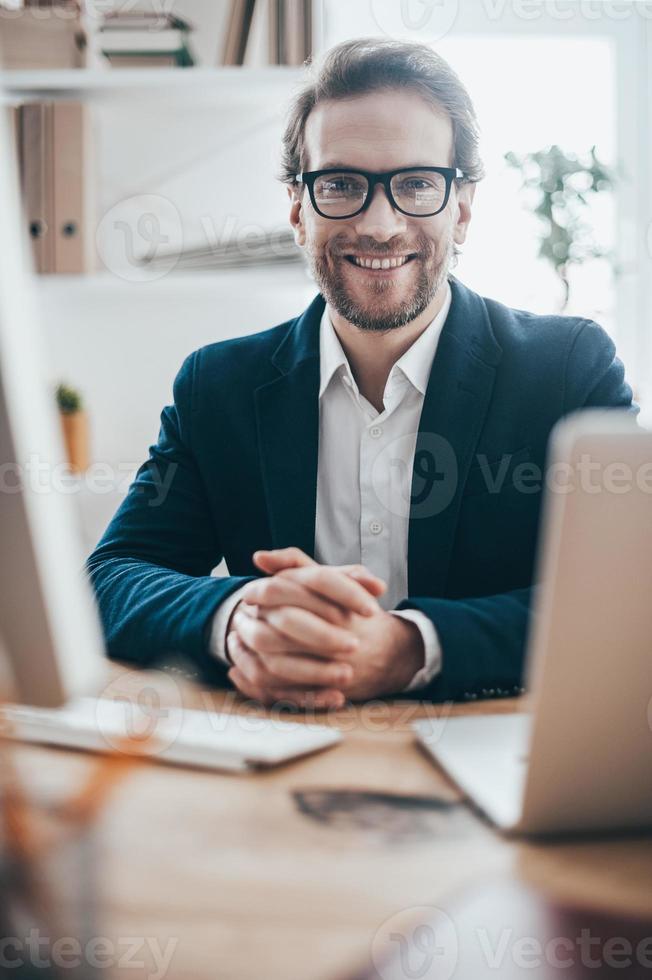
(122, 343)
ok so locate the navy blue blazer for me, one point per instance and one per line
(235, 470)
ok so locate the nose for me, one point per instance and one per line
(380, 220)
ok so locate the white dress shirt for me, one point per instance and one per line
(364, 477)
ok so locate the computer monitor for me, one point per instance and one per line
(51, 646)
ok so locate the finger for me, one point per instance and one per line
(334, 585)
(278, 558)
(293, 672)
(295, 669)
(372, 583)
(260, 636)
(248, 663)
(294, 696)
(283, 591)
(289, 670)
(311, 632)
(289, 629)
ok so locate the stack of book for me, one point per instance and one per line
(289, 29)
(145, 39)
(267, 248)
(33, 37)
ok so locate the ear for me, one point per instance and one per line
(465, 195)
(296, 216)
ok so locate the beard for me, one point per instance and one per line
(379, 311)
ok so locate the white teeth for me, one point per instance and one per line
(381, 263)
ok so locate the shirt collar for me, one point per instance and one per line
(331, 355)
(415, 363)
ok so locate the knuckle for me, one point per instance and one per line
(275, 590)
(282, 617)
(262, 593)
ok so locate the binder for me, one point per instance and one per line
(290, 31)
(237, 34)
(36, 177)
(69, 158)
(54, 156)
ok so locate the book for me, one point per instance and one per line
(142, 40)
(290, 31)
(30, 40)
(143, 20)
(143, 61)
(237, 34)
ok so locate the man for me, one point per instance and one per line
(370, 470)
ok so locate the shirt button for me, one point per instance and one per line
(375, 432)
(375, 527)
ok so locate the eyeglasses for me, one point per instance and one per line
(419, 192)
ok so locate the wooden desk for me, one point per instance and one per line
(252, 887)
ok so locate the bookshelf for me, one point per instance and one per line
(236, 85)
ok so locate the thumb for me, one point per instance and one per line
(280, 558)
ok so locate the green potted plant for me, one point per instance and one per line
(563, 185)
(74, 424)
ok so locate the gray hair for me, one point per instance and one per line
(371, 64)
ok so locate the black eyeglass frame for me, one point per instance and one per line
(309, 177)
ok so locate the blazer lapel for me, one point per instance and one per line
(454, 409)
(287, 413)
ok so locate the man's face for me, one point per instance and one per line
(378, 132)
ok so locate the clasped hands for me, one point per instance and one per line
(315, 636)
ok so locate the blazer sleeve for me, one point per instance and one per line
(151, 569)
(483, 639)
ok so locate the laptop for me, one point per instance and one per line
(52, 656)
(580, 760)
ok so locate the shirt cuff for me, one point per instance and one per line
(431, 648)
(221, 622)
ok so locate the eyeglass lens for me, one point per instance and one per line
(418, 192)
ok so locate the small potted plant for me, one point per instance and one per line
(563, 185)
(74, 423)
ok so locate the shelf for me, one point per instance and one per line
(233, 85)
(107, 283)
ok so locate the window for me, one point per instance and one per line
(573, 73)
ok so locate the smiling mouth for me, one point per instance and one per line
(378, 264)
